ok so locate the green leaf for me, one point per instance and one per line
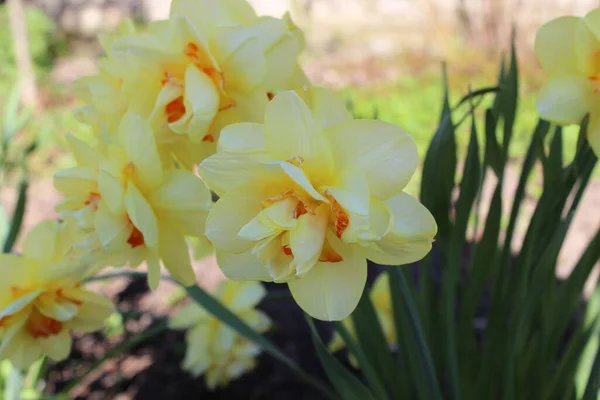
(17, 218)
(373, 377)
(19, 211)
(568, 298)
(469, 187)
(439, 168)
(477, 93)
(374, 343)
(484, 269)
(509, 97)
(533, 151)
(214, 307)
(411, 338)
(593, 384)
(554, 166)
(345, 383)
(493, 153)
(571, 362)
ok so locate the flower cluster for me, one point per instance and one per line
(41, 298)
(213, 99)
(213, 348)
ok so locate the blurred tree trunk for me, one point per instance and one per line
(18, 26)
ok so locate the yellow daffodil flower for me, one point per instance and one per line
(41, 298)
(382, 302)
(213, 348)
(569, 50)
(307, 197)
(210, 64)
(137, 209)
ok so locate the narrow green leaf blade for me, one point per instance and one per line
(439, 168)
(346, 384)
(373, 377)
(17, 218)
(411, 338)
(372, 339)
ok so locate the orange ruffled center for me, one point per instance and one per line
(175, 109)
(339, 219)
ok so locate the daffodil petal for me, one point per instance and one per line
(19, 304)
(273, 219)
(307, 238)
(297, 175)
(223, 172)
(387, 155)
(113, 230)
(331, 291)
(245, 65)
(197, 356)
(141, 215)
(75, 181)
(202, 97)
(250, 107)
(592, 20)
(188, 316)
(153, 271)
(297, 80)
(242, 267)
(93, 307)
(586, 46)
(188, 154)
(11, 337)
(40, 242)
(244, 295)
(565, 99)
(58, 310)
(112, 191)
(327, 106)
(411, 237)
(181, 191)
(281, 61)
(57, 347)
(245, 136)
(205, 14)
(26, 351)
(351, 191)
(140, 147)
(15, 270)
(174, 252)
(83, 153)
(291, 132)
(229, 214)
(555, 45)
